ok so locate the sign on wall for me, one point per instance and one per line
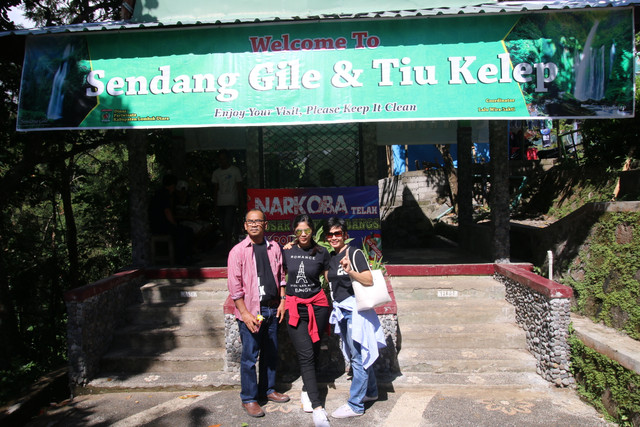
(572, 64)
(358, 206)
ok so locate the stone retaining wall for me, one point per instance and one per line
(543, 310)
(95, 311)
(415, 198)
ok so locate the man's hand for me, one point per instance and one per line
(280, 312)
(251, 321)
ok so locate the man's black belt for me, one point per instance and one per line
(271, 303)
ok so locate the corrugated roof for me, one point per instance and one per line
(491, 8)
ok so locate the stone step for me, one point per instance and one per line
(445, 293)
(464, 340)
(447, 287)
(454, 312)
(203, 313)
(416, 329)
(169, 337)
(470, 360)
(160, 291)
(181, 359)
(162, 381)
(207, 380)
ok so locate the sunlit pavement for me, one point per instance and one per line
(405, 406)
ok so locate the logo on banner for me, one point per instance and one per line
(106, 115)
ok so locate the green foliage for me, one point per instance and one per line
(608, 269)
(610, 387)
(609, 142)
(562, 45)
(565, 188)
(375, 261)
(64, 221)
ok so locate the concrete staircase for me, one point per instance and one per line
(460, 329)
(174, 339)
(454, 330)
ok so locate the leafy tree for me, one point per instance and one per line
(64, 220)
(46, 13)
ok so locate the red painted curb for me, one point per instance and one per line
(187, 273)
(441, 270)
(547, 287)
(87, 291)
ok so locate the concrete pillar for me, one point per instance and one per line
(369, 154)
(138, 199)
(499, 192)
(465, 184)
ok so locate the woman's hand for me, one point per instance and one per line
(288, 246)
(345, 263)
(365, 278)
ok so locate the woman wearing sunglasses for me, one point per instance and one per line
(307, 309)
(361, 332)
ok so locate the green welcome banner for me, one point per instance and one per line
(560, 65)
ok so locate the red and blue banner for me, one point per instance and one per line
(358, 206)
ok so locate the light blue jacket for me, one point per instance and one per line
(365, 329)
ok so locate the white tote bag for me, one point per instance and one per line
(368, 297)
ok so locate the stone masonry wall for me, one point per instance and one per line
(415, 198)
(546, 322)
(94, 312)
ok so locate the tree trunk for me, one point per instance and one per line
(138, 184)
(12, 344)
(451, 174)
(70, 221)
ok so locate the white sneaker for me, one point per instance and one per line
(320, 418)
(306, 403)
(369, 399)
(345, 411)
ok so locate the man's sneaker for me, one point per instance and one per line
(320, 418)
(345, 411)
(369, 399)
(306, 403)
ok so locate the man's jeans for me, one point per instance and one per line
(364, 380)
(265, 343)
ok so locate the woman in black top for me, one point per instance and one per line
(307, 308)
(350, 264)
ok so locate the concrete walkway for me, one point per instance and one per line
(412, 401)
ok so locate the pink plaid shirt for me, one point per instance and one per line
(242, 274)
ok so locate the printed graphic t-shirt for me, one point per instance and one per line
(267, 283)
(304, 270)
(341, 288)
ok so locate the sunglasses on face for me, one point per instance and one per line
(255, 221)
(305, 231)
(334, 234)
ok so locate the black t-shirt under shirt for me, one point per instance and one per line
(341, 288)
(267, 283)
(304, 270)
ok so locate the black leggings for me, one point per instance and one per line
(308, 351)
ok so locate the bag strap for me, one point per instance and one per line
(352, 258)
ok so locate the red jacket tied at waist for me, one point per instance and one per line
(291, 304)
